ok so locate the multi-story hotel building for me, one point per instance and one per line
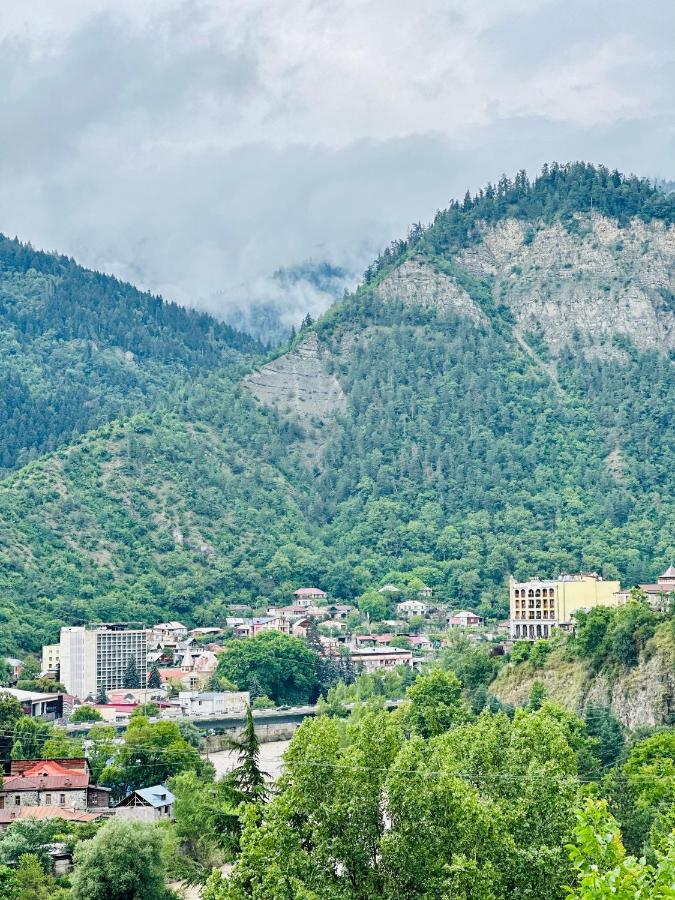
(97, 656)
(539, 605)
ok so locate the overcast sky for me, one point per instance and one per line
(195, 146)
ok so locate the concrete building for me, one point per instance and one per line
(33, 703)
(169, 632)
(97, 656)
(540, 605)
(51, 654)
(408, 608)
(305, 596)
(194, 704)
(370, 659)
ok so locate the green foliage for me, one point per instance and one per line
(122, 861)
(602, 868)
(247, 777)
(85, 713)
(151, 753)
(435, 704)
(284, 667)
(10, 713)
(615, 636)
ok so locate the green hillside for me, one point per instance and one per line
(78, 348)
(496, 397)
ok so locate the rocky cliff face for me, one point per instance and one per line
(301, 388)
(637, 697)
(579, 286)
(417, 282)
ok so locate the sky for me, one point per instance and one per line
(196, 147)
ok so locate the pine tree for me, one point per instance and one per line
(255, 688)
(101, 696)
(17, 751)
(312, 636)
(248, 777)
(131, 676)
(154, 679)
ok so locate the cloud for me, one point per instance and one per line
(197, 147)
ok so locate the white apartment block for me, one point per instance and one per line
(95, 657)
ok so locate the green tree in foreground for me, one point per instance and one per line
(248, 777)
(435, 704)
(603, 870)
(123, 862)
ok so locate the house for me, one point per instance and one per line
(147, 804)
(409, 608)
(305, 596)
(372, 640)
(421, 643)
(424, 591)
(539, 605)
(137, 695)
(188, 681)
(62, 783)
(339, 610)
(15, 668)
(13, 813)
(197, 633)
(252, 627)
(464, 619)
(299, 628)
(195, 704)
(34, 703)
(169, 632)
(371, 658)
(659, 595)
(389, 589)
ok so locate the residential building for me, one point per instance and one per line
(62, 783)
(205, 632)
(12, 813)
(213, 703)
(659, 595)
(15, 668)
(96, 657)
(409, 608)
(421, 642)
(51, 659)
(464, 619)
(425, 591)
(252, 627)
(305, 596)
(389, 589)
(169, 632)
(147, 804)
(371, 658)
(339, 610)
(540, 605)
(34, 703)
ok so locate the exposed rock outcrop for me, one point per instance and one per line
(300, 387)
(417, 282)
(581, 285)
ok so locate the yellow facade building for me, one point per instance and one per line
(51, 657)
(539, 605)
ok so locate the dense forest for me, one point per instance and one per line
(78, 348)
(464, 450)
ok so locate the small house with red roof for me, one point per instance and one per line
(307, 596)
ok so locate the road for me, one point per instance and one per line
(271, 761)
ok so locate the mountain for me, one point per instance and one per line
(495, 397)
(78, 348)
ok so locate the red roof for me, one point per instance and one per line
(46, 812)
(45, 775)
(309, 592)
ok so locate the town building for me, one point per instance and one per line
(464, 619)
(305, 596)
(540, 605)
(408, 608)
(659, 595)
(96, 657)
(147, 804)
(194, 704)
(60, 783)
(15, 668)
(389, 589)
(51, 654)
(251, 627)
(169, 632)
(421, 643)
(369, 659)
(35, 703)
(425, 591)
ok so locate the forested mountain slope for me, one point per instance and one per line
(78, 348)
(496, 397)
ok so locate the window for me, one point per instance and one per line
(62, 799)
(48, 799)
(17, 800)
